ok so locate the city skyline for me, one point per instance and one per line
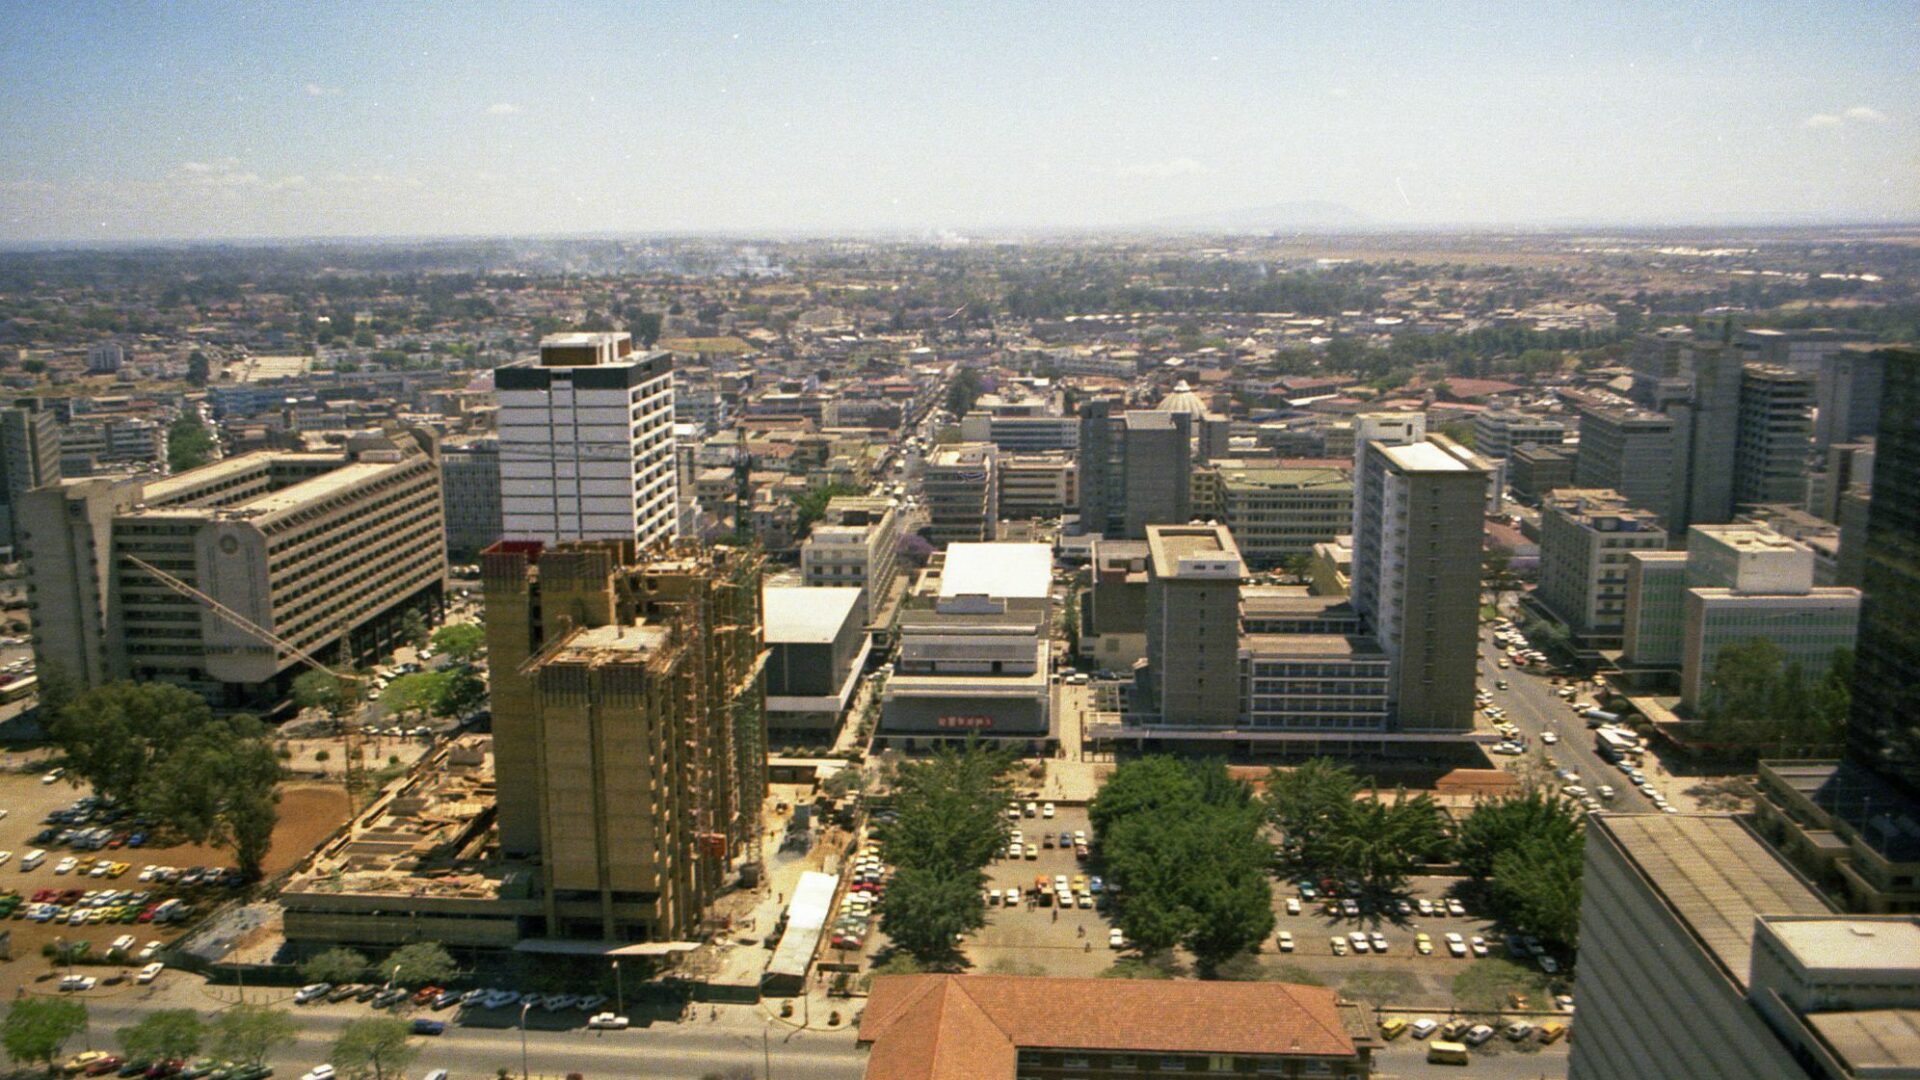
(218, 121)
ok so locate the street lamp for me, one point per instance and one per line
(619, 992)
(524, 1006)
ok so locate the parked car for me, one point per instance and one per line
(1422, 1028)
(310, 993)
(424, 1026)
(607, 1021)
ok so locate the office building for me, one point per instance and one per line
(325, 550)
(975, 653)
(1496, 434)
(1279, 513)
(999, 1027)
(1135, 469)
(1631, 452)
(1707, 428)
(470, 479)
(29, 458)
(855, 544)
(1113, 607)
(1193, 624)
(629, 729)
(1653, 630)
(1037, 485)
(1419, 513)
(1660, 358)
(1391, 428)
(1534, 470)
(1703, 955)
(817, 646)
(1310, 669)
(1851, 830)
(1775, 436)
(1884, 730)
(1586, 538)
(105, 358)
(1744, 583)
(1848, 465)
(586, 443)
(1020, 433)
(1848, 395)
(1804, 350)
(962, 486)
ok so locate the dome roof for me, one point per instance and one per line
(1183, 399)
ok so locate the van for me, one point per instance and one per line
(1392, 1027)
(1551, 1032)
(1442, 1052)
(34, 859)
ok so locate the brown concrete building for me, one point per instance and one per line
(988, 1027)
(629, 727)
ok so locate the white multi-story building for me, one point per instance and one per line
(855, 544)
(586, 443)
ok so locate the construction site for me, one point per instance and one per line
(620, 792)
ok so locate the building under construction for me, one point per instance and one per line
(629, 728)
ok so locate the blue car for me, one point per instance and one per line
(429, 1027)
(1095, 885)
(138, 839)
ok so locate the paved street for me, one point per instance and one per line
(1534, 707)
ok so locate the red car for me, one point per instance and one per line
(105, 1065)
(426, 994)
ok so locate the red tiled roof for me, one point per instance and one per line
(946, 1027)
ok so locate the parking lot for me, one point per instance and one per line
(1029, 936)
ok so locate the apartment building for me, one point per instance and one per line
(629, 728)
(1775, 436)
(1135, 469)
(325, 550)
(855, 544)
(586, 442)
(1586, 537)
(961, 482)
(1193, 625)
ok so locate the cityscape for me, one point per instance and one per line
(512, 569)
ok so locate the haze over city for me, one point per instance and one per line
(233, 120)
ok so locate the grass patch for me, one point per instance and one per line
(1007, 965)
(1141, 967)
(1489, 985)
(1385, 987)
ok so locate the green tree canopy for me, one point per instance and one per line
(218, 786)
(37, 1029)
(250, 1033)
(1380, 843)
(190, 443)
(812, 506)
(1528, 848)
(317, 689)
(377, 1047)
(167, 1035)
(112, 736)
(1757, 701)
(460, 642)
(337, 965)
(421, 964)
(950, 822)
(1306, 803)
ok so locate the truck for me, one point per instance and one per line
(1615, 744)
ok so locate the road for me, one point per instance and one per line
(742, 1038)
(1534, 707)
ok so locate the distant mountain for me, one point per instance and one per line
(1303, 216)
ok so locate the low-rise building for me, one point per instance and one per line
(1497, 434)
(1586, 537)
(1535, 470)
(1036, 485)
(855, 544)
(1278, 513)
(817, 645)
(962, 486)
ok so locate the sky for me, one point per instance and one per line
(133, 120)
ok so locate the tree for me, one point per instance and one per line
(250, 1033)
(190, 443)
(645, 328)
(963, 392)
(112, 736)
(424, 963)
(460, 642)
(198, 368)
(925, 911)
(1505, 824)
(419, 692)
(167, 1035)
(1380, 843)
(949, 823)
(1305, 803)
(339, 965)
(377, 1047)
(218, 786)
(812, 506)
(1756, 700)
(36, 1029)
(1537, 887)
(317, 689)
(413, 628)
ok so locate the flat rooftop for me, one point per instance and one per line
(807, 615)
(1425, 457)
(599, 641)
(1871, 1042)
(1171, 545)
(1855, 944)
(1750, 538)
(1002, 571)
(1716, 877)
(1318, 646)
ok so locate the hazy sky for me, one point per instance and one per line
(184, 119)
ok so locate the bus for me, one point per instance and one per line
(1441, 1052)
(1614, 744)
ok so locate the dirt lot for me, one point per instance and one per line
(308, 812)
(1032, 939)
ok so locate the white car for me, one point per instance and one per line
(319, 1072)
(607, 1021)
(150, 972)
(1359, 941)
(121, 943)
(1116, 939)
(148, 951)
(5, 855)
(1456, 945)
(70, 984)
(1293, 904)
(1549, 737)
(66, 865)
(1479, 945)
(1422, 1028)
(312, 992)
(1286, 941)
(1046, 810)
(1456, 909)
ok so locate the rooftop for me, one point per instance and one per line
(973, 1026)
(1003, 571)
(1856, 944)
(1174, 546)
(807, 616)
(1749, 538)
(1318, 646)
(1715, 876)
(600, 641)
(1280, 477)
(1429, 457)
(1871, 1042)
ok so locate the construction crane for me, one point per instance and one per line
(350, 681)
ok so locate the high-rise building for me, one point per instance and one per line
(1847, 464)
(1652, 635)
(1848, 405)
(962, 485)
(1420, 513)
(1805, 349)
(1703, 956)
(1883, 732)
(1586, 538)
(586, 443)
(29, 458)
(470, 478)
(1706, 428)
(1746, 582)
(629, 727)
(325, 550)
(1533, 471)
(1193, 624)
(1775, 436)
(105, 358)
(1631, 452)
(1135, 469)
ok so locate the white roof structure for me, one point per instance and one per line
(1001, 571)
(807, 615)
